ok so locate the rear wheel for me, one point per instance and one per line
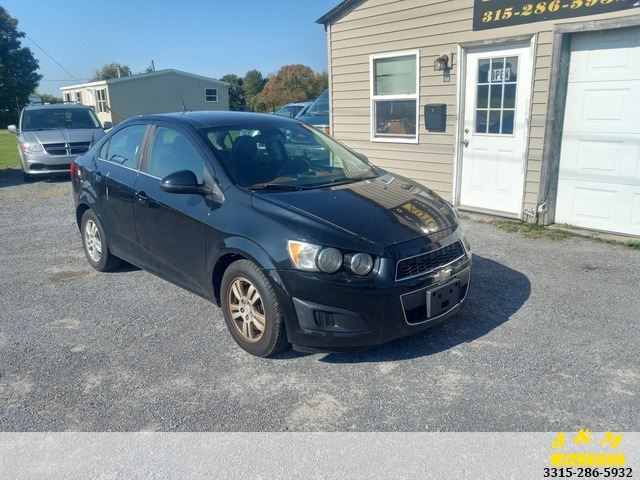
(251, 310)
(94, 242)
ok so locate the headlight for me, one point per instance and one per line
(359, 263)
(303, 255)
(329, 260)
(316, 258)
(32, 147)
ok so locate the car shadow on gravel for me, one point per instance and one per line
(10, 177)
(496, 293)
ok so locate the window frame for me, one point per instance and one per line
(101, 100)
(208, 95)
(413, 139)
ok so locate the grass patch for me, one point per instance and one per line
(635, 244)
(532, 230)
(8, 150)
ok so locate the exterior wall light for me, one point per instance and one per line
(442, 63)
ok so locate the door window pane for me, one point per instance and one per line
(125, 146)
(496, 95)
(170, 152)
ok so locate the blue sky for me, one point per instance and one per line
(204, 37)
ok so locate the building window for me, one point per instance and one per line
(67, 97)
(394, 97)
(210, 94)
(101, 100)
(79, 97)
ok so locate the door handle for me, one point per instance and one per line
(142, 197)
(466, 142)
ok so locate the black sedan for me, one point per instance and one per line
(296, 237)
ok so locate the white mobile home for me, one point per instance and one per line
(162, 91)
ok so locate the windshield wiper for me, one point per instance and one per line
(278, 186)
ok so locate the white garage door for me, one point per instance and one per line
(599, 178)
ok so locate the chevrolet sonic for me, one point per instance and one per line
(298, 239)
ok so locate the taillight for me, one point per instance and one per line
(74, 169)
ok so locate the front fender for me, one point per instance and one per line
(237, 248)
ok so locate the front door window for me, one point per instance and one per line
(496, 95)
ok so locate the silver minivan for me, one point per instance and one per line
(50, 137)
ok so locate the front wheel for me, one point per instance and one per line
(94, 242)
(251, 310)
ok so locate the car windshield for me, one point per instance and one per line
(56, 118)
(289, 156)
(320, 106)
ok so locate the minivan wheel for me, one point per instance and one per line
(94, 242)
(251, 310)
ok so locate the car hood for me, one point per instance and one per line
(382, 212)
(63, 135)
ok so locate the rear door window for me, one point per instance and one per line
(125, 147)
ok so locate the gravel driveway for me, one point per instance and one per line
(548, 341)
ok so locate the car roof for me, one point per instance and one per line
(50, 106)
(204, 119)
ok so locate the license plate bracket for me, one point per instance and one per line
(443, 298)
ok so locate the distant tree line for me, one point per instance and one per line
(292, 83)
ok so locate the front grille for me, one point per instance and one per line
(77, 148)
(427, 262)
(73, 148)
(56, 148)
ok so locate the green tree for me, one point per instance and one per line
(48, 98)
(18, 70)
(292, 83)
(253, 83)
(236, 90)
(110, 70)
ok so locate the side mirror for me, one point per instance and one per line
(12, 129)
(185, 182)
(107, 125)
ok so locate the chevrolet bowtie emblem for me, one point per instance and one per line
(442, 275)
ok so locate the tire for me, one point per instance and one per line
(95, 245)
(251, 310)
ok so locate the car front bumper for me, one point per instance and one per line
(334, 317)
(45, 164)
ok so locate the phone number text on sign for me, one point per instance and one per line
(502, 13)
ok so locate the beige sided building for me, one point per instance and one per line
(534, 113)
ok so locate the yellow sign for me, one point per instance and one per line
(608, 440)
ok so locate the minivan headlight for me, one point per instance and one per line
(32, 147)
(316, 258)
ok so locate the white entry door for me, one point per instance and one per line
(496, 121)
(599, 176)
